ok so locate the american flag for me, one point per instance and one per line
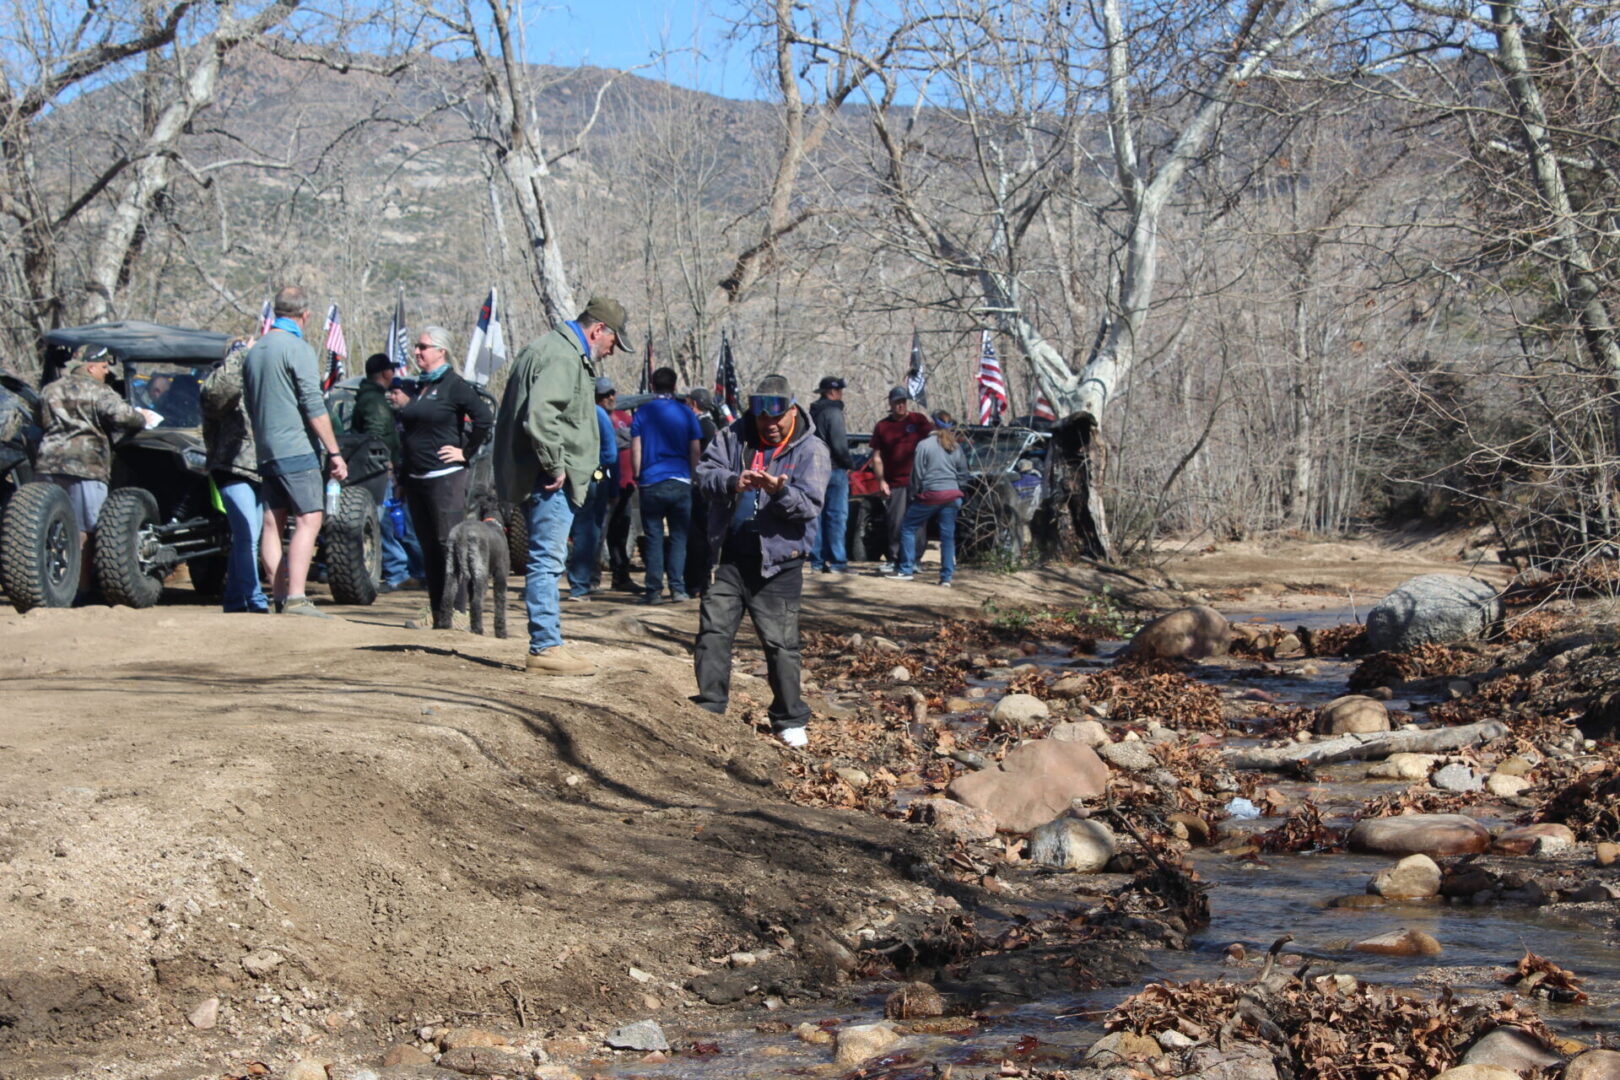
(1043, 408)
(337, 350)
(267, 316)
(725, 381)
(916, 376)
(992, 385)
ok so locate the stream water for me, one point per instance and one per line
(1253, 900)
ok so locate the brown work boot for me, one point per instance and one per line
(555, 661)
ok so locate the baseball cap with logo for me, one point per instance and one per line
(831, 382)
(610, 313)
(604, 386)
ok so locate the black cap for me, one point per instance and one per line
(378, 362)
(830, 382)
(899, 393)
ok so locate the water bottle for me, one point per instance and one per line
(334, 492)
(396, 516)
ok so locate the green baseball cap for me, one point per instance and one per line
(610, 313)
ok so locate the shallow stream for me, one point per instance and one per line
(1253, 900)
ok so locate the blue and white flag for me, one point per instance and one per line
(398, 342)
(486, 352)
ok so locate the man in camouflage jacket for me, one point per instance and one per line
(233, 462)
(81, 414)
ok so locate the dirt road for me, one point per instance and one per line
(341, 829)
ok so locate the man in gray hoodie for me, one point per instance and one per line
(764, 479)
(281, 388)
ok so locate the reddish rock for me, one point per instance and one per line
(1033, 784)
(404, 1054)
(1399, 943)
(959, 822)
(1544, 838)
(1188, 634)
(1420, 834)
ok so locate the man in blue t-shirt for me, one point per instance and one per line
(664, 443)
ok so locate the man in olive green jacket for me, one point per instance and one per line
(545, 454)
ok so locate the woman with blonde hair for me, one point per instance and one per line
(938, 474)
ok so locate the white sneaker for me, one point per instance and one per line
(903, 577)
(794, 736)
(944, 584)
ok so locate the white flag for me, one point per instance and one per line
(486, 352)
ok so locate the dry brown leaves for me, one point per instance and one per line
(1141, 690)
(1346, 639)
(1425, 661)
(1534, 626)
(1325, 1032)
(1537, 975)
(1302, 831)
(1589, 804)
(1417, 801)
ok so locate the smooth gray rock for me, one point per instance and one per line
(1071, 843)
(1456, 777)
(641, 1035)
(1432, 609)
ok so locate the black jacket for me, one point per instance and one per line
(374, 416)
(447, 412)
(828, 417)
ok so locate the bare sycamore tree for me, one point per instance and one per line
(1027, 81)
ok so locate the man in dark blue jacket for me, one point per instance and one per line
(828, 415)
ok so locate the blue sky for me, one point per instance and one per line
(626, 33)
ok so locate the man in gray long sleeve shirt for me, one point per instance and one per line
(281, 387)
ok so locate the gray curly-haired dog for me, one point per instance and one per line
(476, 556)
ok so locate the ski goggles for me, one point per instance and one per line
(769, 404)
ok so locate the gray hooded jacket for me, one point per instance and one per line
(788, 519)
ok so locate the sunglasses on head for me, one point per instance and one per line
(769, 404)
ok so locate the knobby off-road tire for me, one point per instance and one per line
(39, 548)
(517, 539)
(353, 545)
(124, 566)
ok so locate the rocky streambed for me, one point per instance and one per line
(1177, 861)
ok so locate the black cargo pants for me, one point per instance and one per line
(773, 604)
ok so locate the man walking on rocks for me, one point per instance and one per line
(547, 447)
(764, 478)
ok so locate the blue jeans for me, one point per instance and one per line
(666, 501)
(830, 553)
(401, 553)
(245, 513)
(918, 515)
(551, 516)
(587, 537)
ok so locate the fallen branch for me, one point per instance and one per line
(1378, 744)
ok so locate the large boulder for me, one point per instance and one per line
(1420, 834)
(1188, 634)
(1353, 714)
(1594, 1065)
(1434, 609)
(1033, 784)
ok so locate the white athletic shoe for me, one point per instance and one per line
(794, 736)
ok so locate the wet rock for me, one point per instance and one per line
(954, 819)
(1403, 766)
(721, 987)
(486, 1061)
(960, 705)
(1399, 943)
(204, 1015)
(1287, 647)
(914, 1001)
(1121, 1046)
(1546, 838)
(1016, 711)
(1188, 634)
(1071, 686)
(1352, 714)
(810, 1033)
(1607, 853)
(404, 1054)
(458, 1037)
(1414, 877)
(1467, 881)
(1477, 1072)
(1432, 609)
(1511, 1049)
(1071, 843)
(1087, 732)
(1587, 893)
(1129, 756)
(1197, 828)
(1358, 901)
(1425, 834)
(861, 1041)
(1033, 784)
(1594, 1065)
(1506, 785)
(642, 1035)
(1456, 777)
